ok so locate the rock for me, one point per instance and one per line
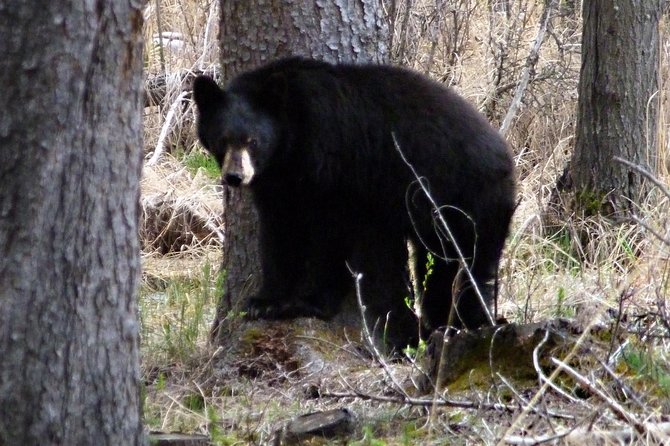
(336, 423)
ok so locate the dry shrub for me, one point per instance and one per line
(180, 38)
(480, 48)
(179, 211)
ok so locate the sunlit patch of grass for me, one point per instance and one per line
(196, 160)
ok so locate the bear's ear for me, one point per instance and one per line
(207, 94)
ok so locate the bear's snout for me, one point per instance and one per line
(232, 179)
(238, 167)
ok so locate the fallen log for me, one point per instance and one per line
(458, 360)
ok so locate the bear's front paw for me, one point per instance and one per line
(259, 308)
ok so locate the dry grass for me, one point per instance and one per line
(593, 270)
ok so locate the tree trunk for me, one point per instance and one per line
(617, 107)
(253, 33)
(70, 161)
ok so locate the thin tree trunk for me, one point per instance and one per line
(617, 108)
(253, 33)
(70, 161)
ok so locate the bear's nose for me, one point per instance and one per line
(232, 179)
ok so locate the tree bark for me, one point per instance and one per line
(256, 32)
(70, 161)
(617, 107)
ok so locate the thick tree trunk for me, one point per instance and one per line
(70, 160)
(617, 108)
(253, 33)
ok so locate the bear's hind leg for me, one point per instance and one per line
(382, 259)
(435, 285)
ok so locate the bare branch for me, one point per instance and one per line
(461, 258)
(443, 402)
(165, 130)
(660, 431)
(531, 407)
(618, 410)
(645, 173)
(369, 338)
(653, 232)
(531, 61)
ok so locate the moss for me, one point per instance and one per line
(589, 203)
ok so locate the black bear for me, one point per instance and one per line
(338, 159)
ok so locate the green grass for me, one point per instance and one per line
(198, 159)
(176, 319)
(648, 371)
(561, 308)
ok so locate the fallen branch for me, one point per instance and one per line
(368, 335)
(423, 402)
(442, 402)
(615, 407)
(531, 407)
(659, 432)
(658, 183)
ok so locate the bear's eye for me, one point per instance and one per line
(252, 143)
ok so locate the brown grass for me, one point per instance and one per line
(617, 275)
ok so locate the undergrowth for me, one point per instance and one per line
(176, 315)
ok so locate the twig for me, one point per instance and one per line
(404, 396)
(532, 441)
(618, 410)
(159, 27)
(659, 431)
(645, 173)
(356, 394)
(653, 232)
(658, 183)
(461, 258)
(546, 413)
(442, 402)
(531, 61)
(213, 10)
(368, 335)
(627, 390)
(533, 401)
(425, 402)
(543, 378)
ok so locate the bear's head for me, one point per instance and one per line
(241, 137)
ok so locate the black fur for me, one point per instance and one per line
(332, 189)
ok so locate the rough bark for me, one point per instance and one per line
(617, 107)
(70, 161)
(253, 33)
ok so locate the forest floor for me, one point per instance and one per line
(266, 375)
